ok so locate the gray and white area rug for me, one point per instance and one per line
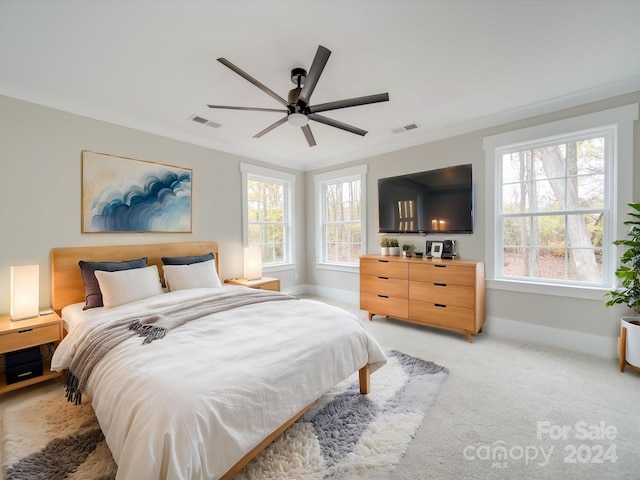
(345, 435)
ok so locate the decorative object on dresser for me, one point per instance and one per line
(447, 294)
(408, 249)
(389, 246)
(264, 283)
(16, 337)
(25, 292)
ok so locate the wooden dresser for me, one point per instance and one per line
(442, 293)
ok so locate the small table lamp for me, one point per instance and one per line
(25, 293)
(252, 263)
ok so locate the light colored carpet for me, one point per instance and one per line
(345, 435)
(504, 395)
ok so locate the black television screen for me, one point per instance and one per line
(434, 201)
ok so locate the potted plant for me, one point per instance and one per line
(394, 247)
(408, 249)
(384, 246)
(628, 293)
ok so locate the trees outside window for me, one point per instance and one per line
(553, 195)
(268, 213)
(553, 209)
(340, 211)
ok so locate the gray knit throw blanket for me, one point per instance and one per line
(152, 327)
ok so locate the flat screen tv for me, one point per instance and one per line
(435, 201)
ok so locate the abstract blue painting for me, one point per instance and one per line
(122, 194)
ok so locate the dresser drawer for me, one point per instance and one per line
(391, 287)
(443, 315)
(384, 305)
(29, 337)
(384, 268)
(447, 294)
(443, 273)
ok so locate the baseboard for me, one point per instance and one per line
(553, 337)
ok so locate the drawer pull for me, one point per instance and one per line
(383, 296)
(440, 305)
(439, 266)
(26, 331)
(383, 278)
(25, 374)
(383, 261)
(440, 284)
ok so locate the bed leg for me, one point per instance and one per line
(364, 375)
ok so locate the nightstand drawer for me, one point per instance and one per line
(29, 337)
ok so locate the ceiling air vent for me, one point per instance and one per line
(204, 121)
(406, 128)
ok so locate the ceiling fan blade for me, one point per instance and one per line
(252, 80)
(271, 127)
(319, 62)
(309, 136)
(253, 109)
(350, 102)
(337, 124)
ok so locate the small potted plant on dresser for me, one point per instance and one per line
(408, 249)
(384, 246)
(394, 247)
(628, 293)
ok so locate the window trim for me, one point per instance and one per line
(359, 172)
(255, 172)
(619, 187)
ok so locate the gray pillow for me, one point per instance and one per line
(188, 260)
(92, 293)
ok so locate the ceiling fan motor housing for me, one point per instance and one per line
(298, 76)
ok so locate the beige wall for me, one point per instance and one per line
(40, 154)
(585, 316)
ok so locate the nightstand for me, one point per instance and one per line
(32, 332)
(264, 283)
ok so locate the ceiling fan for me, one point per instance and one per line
(297, 108)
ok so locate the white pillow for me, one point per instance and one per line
(195, 275)
(126, 286)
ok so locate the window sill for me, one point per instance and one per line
(278, 268)
(587, 293)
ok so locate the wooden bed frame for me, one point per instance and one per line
(68, 288)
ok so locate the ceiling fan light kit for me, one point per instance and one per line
(298, 119)
(297, 108)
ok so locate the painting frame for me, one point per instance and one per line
(128, 195)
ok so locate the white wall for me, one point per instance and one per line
(539, 316)
(40, 154)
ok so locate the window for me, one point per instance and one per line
(340, 213)
(556, 200)
(267, 208)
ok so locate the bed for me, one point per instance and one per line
(202, 400)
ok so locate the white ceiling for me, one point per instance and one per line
(449, 66)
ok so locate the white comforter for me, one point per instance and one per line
(191, 405)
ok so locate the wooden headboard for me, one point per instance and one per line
(66, 280)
